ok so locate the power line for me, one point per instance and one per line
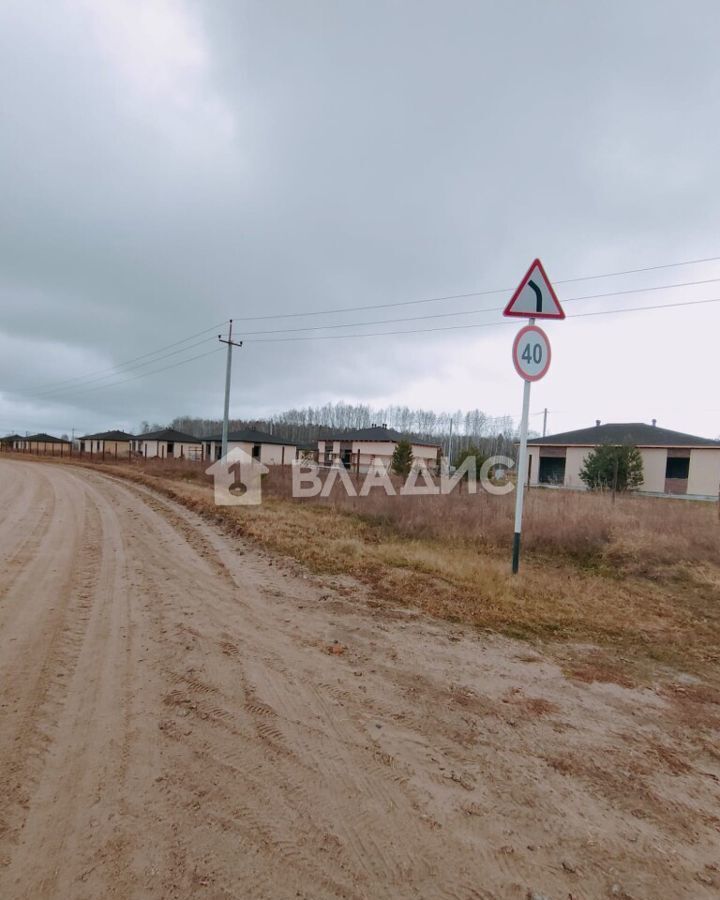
(483, 293)
(153, 355)
(606, 312)
(60, 387)
(610, 312)
(88, 380)
(472, 312)
(127, 362)
(75, 391)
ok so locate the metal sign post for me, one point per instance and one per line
(534, 298)
(521, 476)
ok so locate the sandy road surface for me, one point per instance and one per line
(173, 725)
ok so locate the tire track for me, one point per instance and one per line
(173, 727)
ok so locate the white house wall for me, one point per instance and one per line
(153, 449)
(376, 454)
(654, 466)
(704, 475)
(270, 454)
(109, 448)
(574, 460)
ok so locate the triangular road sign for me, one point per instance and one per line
(535, 297)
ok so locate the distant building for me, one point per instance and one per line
(113, 444)
(266, 448)
(46, 443)
(12, 442)
(372, 448)
(168, 444)
(673, 462)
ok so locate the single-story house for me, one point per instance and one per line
(113, 444)
(168, 444)
(373, 447)
(46, 443)
(673, 462)
(266, 448)
(12, 442)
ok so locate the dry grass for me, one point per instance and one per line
(638, 579)
(635, 534)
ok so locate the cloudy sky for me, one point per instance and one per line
(168, 164)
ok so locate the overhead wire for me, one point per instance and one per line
(127, 362)
(73, 391)
(472, 312)
(482, 293)
(130, 368)
(182, 362)
(76, 384)
(607, 312)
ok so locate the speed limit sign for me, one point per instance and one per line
(531, 353)
(535, 297)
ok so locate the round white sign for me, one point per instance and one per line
(531, 353)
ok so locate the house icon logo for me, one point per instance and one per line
(237, 479)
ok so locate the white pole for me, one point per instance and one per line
(521, 474)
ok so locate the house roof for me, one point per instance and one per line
(169, 434)
(252, 436)
(378, 433)
(108, 436)
(43, 438)
(11, 437)
(637, 433)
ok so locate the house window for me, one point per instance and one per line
(256, 451)
(170, 449)
(677, 467)
(552, 470)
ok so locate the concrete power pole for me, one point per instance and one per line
(228, 371)
(545, 412)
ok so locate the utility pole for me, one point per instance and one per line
(545, 421)
(450, 447)
(228, 370)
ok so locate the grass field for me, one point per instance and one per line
(635, 583)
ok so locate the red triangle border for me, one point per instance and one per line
(523, 315)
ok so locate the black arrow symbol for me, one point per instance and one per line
(538, 295)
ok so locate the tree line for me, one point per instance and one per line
(464, 429)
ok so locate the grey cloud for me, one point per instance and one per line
(332, 154)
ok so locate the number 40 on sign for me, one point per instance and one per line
(531, 353)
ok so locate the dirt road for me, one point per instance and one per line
(174, 724)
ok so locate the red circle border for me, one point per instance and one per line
(520, 333)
